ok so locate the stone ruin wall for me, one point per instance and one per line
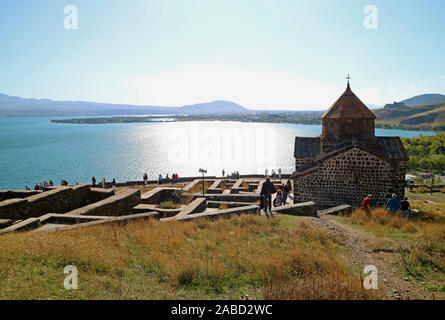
(301, 164)
(350, 176)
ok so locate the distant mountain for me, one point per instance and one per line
(20, 107)
(373, 106)
(424, 99)
(220, 106)
(421, 117)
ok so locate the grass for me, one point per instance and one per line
(168, 205)
(281, 258)
(421, 241)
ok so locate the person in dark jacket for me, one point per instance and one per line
(266, 193)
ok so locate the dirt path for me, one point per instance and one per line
(367, 249)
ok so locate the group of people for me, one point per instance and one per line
(268, 189)
(234, 175)
(393, 205)
(174, 177)
(273, 174)
(40, 186)
(103, 183)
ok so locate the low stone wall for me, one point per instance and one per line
(215, 187)
(231, 204)
(163, 213)
(57, 200)
(115, 220)
(17, 194)
(343, 209)
(253, 209)
(299, 209)
(98, 194)
(117, 205)
(161, 194)
(4, 223)
(28, 224)
(198, 205)
(230, 197)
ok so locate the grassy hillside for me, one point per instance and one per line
(422, 117)
(278, 258)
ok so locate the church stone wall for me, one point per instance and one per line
(301, 164)
(348, 177)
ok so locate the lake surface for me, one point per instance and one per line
(34, 149)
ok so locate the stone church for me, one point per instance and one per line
(347, 161)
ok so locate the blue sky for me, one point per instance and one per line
(261, 54)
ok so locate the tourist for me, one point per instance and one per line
(366, 205)
(223, 173)
(393, 204)
(113, 183)
(93, 180)
(51, 183)
(40, 186)
(103, 183)
(167, 178)
(273, 173)
(37, 186)
(278, 199)
(45, 184)
(160, 179)
(27, 188)
(145, 178)
(266, 172)
(406, 208)
(266, 192)
(288, 185)
(285, 193)
(279, 173)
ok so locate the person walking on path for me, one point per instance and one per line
(266, 172)
(279, 173)
(393, 204)
(223, 173)
(366, 205)
(145, 178)
(266, 192)
(93, 180)
(406, 208)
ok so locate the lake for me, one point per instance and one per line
(34, 149)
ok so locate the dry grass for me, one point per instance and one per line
(423, 250)
(200, 259)
(168, 205)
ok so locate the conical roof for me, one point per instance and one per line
(348, 106)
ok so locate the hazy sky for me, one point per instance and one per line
(261, 54)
